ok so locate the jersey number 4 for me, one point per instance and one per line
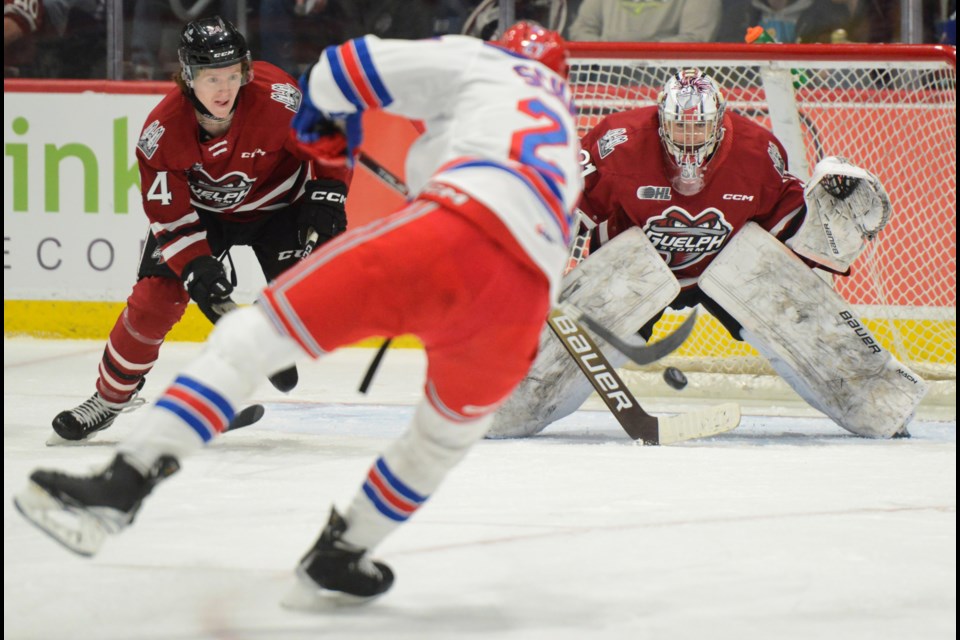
(159, 189)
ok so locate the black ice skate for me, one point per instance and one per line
(79, 512)
(334, 572)
(95, 414)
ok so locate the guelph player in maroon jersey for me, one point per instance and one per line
(218, 168)
(737, 234)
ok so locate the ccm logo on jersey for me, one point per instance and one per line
(737, 196)
(253, 154)
(861, 331)
(328, 196)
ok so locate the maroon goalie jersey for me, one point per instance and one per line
(248, 173)
(627, 184)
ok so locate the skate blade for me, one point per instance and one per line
(306, 596)
(75, 529)
(56, 440)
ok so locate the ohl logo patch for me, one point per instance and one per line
(684, 239)
(223, 193)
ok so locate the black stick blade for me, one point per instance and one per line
(643, 353)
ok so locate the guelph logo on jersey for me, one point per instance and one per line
(287, 95)
(653, 193)
(223, 193)
(610, 140)
(684, 239)
(778, 162)
(149, 140)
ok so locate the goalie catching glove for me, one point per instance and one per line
(322, 209)
(846, 207)
(206, 281)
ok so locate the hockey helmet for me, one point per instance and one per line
(212, 43)
(691, 124)
(537, 43)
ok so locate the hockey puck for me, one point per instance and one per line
(675, 378)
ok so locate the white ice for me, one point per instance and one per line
(787, 528)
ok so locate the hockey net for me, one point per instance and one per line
(889, 108)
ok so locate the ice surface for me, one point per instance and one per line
(787, 528)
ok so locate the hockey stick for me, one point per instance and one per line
(374, 365)
(394, 182)
(637, 423)
(287, 379)
(386, 176)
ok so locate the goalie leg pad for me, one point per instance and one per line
(623, 286)
(811, 336)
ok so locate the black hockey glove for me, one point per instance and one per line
(323, 210)
(208, 286)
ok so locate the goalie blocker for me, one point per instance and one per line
(811, 336)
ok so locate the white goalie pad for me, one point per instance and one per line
(811, 336)
(622, 286)
(846, 207)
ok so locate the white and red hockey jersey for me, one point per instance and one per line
(627, 184)
(499, 128)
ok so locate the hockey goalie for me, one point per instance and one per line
(687, 203)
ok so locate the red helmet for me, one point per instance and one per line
(537, 43)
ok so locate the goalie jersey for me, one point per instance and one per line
(627, 184)
(499, 129)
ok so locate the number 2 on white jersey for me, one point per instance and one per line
(525, 143)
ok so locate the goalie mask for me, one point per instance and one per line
(212, 43)
(691, 126)
(537, 43)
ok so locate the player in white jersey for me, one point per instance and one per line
(470, 266)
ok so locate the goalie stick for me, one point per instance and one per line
(636, 422)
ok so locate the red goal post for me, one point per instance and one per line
(889, 108)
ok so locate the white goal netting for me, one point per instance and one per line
(889, 108)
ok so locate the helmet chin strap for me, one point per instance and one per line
(199, 106)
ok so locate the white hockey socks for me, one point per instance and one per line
(243, 348)
(407, 473)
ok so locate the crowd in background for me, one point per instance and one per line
(69, 38)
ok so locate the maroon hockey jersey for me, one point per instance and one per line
(627, 183)
(248, 173)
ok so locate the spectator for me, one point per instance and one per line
(299, 30)
(484, 21)
(810, 20)
(638, 21)
(151, 19)
(54, 38)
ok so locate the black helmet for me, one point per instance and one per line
(212, 43)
